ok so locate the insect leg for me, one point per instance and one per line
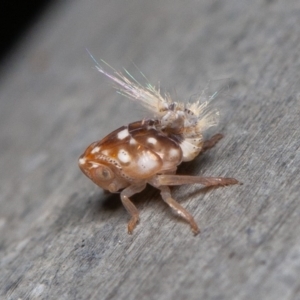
(129, 206)
(169, 179)
(166, 195)
(211, 142)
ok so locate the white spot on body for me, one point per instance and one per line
(189, 151)
(152, 140)
(132, 141)
(105, 152)
(95, 150)
(174, 152)
(124, 156)
(82, 161)
(123, 134)
(147, 162)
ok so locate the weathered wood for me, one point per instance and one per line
(62, 238)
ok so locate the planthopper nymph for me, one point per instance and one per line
(149, 151)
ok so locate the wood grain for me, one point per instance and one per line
(61, 237)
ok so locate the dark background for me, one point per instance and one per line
(16, 18)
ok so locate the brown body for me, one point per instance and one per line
(141, 153)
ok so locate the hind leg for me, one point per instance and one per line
(211, 142)
(170, 179)
(177, 208)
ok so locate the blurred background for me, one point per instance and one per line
(62, 237)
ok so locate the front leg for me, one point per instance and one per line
(129, 206)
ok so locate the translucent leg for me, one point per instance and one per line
(211, 142)
(130, 207)
(166, 195)
(169, 179)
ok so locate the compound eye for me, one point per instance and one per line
(104, 173)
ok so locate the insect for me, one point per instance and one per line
(149, 151)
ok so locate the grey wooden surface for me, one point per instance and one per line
(61, 237)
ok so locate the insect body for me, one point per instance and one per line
(149, 151)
